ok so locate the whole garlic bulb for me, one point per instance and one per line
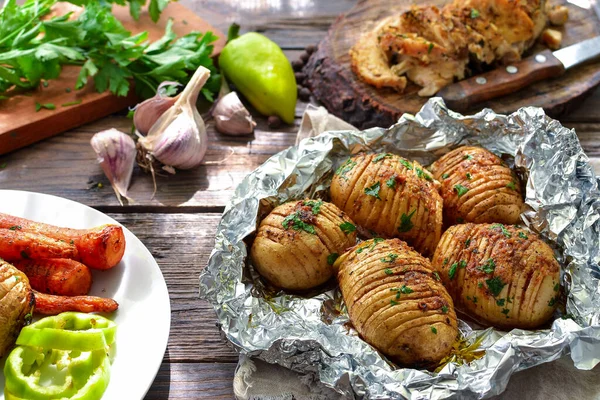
(178, 138)
(231, 117)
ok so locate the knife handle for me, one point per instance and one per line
(503, 80)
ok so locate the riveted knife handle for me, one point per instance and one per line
(467, 93)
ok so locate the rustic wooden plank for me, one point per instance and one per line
(181, 245)
(193, 381)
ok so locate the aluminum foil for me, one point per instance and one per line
(311, 335)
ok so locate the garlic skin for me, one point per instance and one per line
(149, 111)
(231, 117)
(116, 154)
(178, 138)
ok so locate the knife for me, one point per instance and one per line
(462, 95)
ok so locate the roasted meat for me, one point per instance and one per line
(16, 304)
(433, 47)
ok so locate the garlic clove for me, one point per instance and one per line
(116, 154)
(178, 138)
(231, 117)
(149, 111)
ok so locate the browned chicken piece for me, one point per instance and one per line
(434, 47)
(16, 304)
(369, 62)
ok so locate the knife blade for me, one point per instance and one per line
(462, 95)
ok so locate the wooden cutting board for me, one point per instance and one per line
(334, 84)
(21, 125)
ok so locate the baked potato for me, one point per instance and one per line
(499, 274)
(477, 187)
(396, 302)
(298, 242)
(392, 197)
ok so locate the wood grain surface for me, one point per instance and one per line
(335, 85)
(179, 223)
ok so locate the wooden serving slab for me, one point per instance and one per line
(21, 125)
(334, 84)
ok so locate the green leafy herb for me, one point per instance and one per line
(511, 185)
(391, 183)
(467, 242)
(233, 32)
(71, 103)
(556, 287)
(388, 271)
(24, 255)
(462, 264)
(474, 299)
(552, 302)
(394, 303)
(495, 285)
(406, 290)
(460, 189)
(505, 311)
(369, 247)
(444, 309)
(445, 176)
(314, 205)
(347, 227)
(522, 235)
(373, 190)
(468, 176)
(430, 48)
(500, 302)
(422, 174)
(468, 157)
(34, 47)
(445, 261)
(474, 13)
(389, 258)
(332, 257)
(407, 164)
(489, 266)
(47, 106)
(15, 227)
(437, 276)
(381, 156)
(405, 221)
(479, 285)
(452, 271)
(505, 231)
(345, 168)
(434, 330)
(295, 222)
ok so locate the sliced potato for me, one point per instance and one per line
(396, 302)
(391, 197)
(499, 274)
(477, 187)
(297, 243)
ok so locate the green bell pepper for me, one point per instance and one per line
(262, 73)
(69, 331)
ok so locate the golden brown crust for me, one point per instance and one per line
(477, 187)
(498, 273)
(297, 242)
(392, 197)
(396, 302)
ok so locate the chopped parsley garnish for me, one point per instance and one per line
(552, 302)
(406, 290)
(294, 221)
(347, 227)
(71, 103)
(332, 257)
(460, 189)
(388, 271)
(434, 330)
(479, 285)
(47, 106)
(462, 264)
(406, 164)
(505, 311)
(422, 174)
(495, 285)
(511, 185)
(474, 13)
(394, 303)
(489, 266)
(475, 299)
(345, 168)
(437, 276)
(445, 176)
(315, 205)
(500, 302)
(389, 258)
(373, 190)
(430, 48)
(405, 222)
(445, 261)
(15, 227)
(467, 242)
(381, 157)
(468, 175)
(522, 235)
(468, 157)
(72, 241)
(505, 231)
(556, 287)
(452, 271)
(370, 247)
(24, 255)
(445, 309)
(391, 183)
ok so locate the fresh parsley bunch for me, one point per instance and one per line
(33, 49)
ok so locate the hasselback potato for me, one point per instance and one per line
(498, 273)
(298, 242)
(392, 197)
(396, 302)
(477, 187)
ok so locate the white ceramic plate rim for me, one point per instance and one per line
(136, 283)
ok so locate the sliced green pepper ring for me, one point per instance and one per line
(70, 331)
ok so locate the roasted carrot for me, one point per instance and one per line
(101, 247)
(18, 245)
(58, 276)
(48, 304)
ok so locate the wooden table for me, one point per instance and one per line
(178, 224)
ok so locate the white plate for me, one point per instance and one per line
(136, 283)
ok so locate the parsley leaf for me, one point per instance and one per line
(511, 185)
(495, 285)
(347, 227)
(389, 258)
(406, 290)
(381, 156)
(522, 235)
(314, 205)
(489, 266)
(467, 242)
(373, 190)
(388, 271)
(505, 231)
(462, 264)
(500, 302)
(405, 221)
(434, 330)
(556, 287)
(452, 270)
(468, 175)
(48, 106)
(445, 176)
(460, 189)
(474, 13)
(391, 183)
(394, 303)
(444, 309)
(294, 221)
(407, 164)
(345, 168)
(332, 257)
(424, 175)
